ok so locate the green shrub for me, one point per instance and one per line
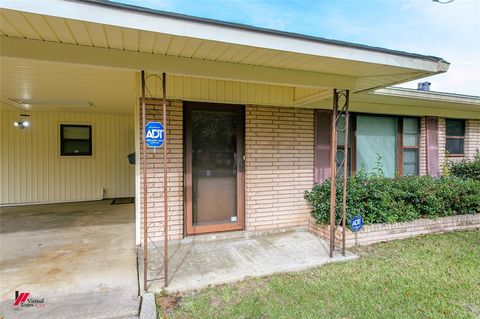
(466, 168)
(380, 199)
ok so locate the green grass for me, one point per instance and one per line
(434, 276)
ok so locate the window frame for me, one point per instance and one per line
(63, 139)
(401, 147)
(455, 137)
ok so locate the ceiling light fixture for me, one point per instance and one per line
(24, 123)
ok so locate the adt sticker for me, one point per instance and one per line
(356, 223)
(155, 134)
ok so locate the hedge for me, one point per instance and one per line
(379, 199)
(465, 168)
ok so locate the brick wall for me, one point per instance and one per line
(371, 234)
(279, 166)
(155, 173)
(472, 138)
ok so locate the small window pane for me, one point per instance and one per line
(455, 146)
(75, 147)
(410, 162)
(76, 132)
(410, 140)
(341, 131)
(410, 125)
(410, 131)
(76, 140)
(455, 127)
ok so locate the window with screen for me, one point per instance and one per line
(376, 139)
(75, 140)
(410, 147)
(455, 139)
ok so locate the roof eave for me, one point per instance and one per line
(186, 26)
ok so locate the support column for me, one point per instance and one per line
(340, 109)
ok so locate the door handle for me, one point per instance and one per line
(242, 164)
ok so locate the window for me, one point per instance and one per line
(390, 144)
(410, 146)
(455, 137)
(75, 140)
(376, 139)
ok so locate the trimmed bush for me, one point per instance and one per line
(379, 199)
(466, 168)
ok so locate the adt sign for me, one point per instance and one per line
(356, 223)
(155, 135)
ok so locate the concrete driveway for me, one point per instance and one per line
(76, 260)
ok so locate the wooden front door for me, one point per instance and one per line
(214, 167)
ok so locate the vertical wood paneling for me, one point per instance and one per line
(32, 171)
(210, 90)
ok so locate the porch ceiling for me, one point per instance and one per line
(120, 36)
(62, 87)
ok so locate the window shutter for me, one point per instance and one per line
(432, 146)
(323, 121)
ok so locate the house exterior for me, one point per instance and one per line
(248, 114)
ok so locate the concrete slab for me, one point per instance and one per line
(80, 258)
(149, 307)
(197, 264)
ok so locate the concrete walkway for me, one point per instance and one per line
(198, 263)
(79, 258)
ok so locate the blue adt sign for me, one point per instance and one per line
(155, 135)
(356, 223)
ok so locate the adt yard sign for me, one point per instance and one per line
(356, 223)
(155, 135)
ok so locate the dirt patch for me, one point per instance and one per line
(167, 303)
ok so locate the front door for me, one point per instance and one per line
(214, 167)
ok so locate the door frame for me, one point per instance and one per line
(189, 228)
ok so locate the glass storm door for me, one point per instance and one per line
(214, 167)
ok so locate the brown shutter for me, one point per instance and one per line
(432, 146)
(323, 120)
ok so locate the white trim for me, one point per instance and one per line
(178, 26)
(137, 161)
(428, 95)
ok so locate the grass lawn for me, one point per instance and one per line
(434, 276)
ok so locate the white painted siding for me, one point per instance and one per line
(32, 170)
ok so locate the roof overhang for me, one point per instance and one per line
(119, 36)
(410, 102)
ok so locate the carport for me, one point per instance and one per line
(71, 256)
